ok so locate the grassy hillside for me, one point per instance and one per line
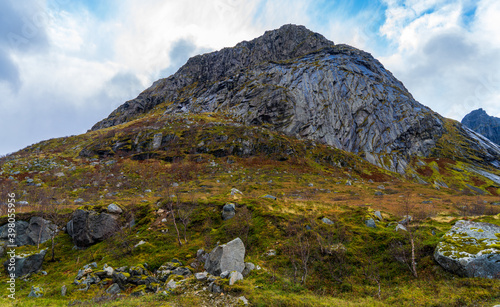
(193, 162)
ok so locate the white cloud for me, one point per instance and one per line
(442, 60)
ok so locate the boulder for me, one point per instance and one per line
(36, 292)
(27, 264)
(226, 257)
(242, 300)
(470, 249)
(113, 289)
(37, 230)
(114, 209)
(228, 211)
(234, 277)
(401, 227)
(370, 223)
(214, 288)
(201, 276)
(327, 221)
(249, 267)
(89, 227)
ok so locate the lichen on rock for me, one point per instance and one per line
(470, 249)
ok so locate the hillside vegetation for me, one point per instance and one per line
(191, 165)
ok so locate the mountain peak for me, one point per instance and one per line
(287, 42)
(482, 123)
(299, 83)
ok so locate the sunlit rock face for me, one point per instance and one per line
(297, 82)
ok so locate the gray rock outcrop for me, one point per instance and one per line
(26, 264)
(471, 249)
(89, 227)
(479, 121)
(37, 230)
(226, 257)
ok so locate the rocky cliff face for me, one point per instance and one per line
(301, 84)
(482, 123)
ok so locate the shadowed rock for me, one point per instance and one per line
(25, 265)
(471, 249)
(227, 257)
(89, 227)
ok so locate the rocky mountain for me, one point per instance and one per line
(479, 121)
(250, 177)
(303, 85)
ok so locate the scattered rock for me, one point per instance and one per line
(36, 292)
(270, 253)
(234, 277)
(89, 227)
(113, 289)
(235, 191)
(327, 221)
(79, 200)
(379, 193)
(182, 271)
(378, 215)
(440, 184)
(38, 229)
(226, 257)
(114, 209)
(401, 227)
(406, 219)
(201, 276)
(370, 223)
(249, 267)
(27, 264)
(171, 285)
(228, 211)
(60, 174)
(140, 243)
(63, 290)
(470, 249)
(243, 300)
(477, 190)
(214, 288)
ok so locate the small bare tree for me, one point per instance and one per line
(170, 207)
(407, 209)
(184, 212)
(371, 272)
(298, 249)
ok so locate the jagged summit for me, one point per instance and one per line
(303, 85)
(287, 42)
(479, 121)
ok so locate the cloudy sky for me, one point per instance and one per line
(66, 64)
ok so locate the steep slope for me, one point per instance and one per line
(479, 121)
(305, 86)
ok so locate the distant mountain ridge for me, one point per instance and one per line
(297, 82)
(479, 121)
